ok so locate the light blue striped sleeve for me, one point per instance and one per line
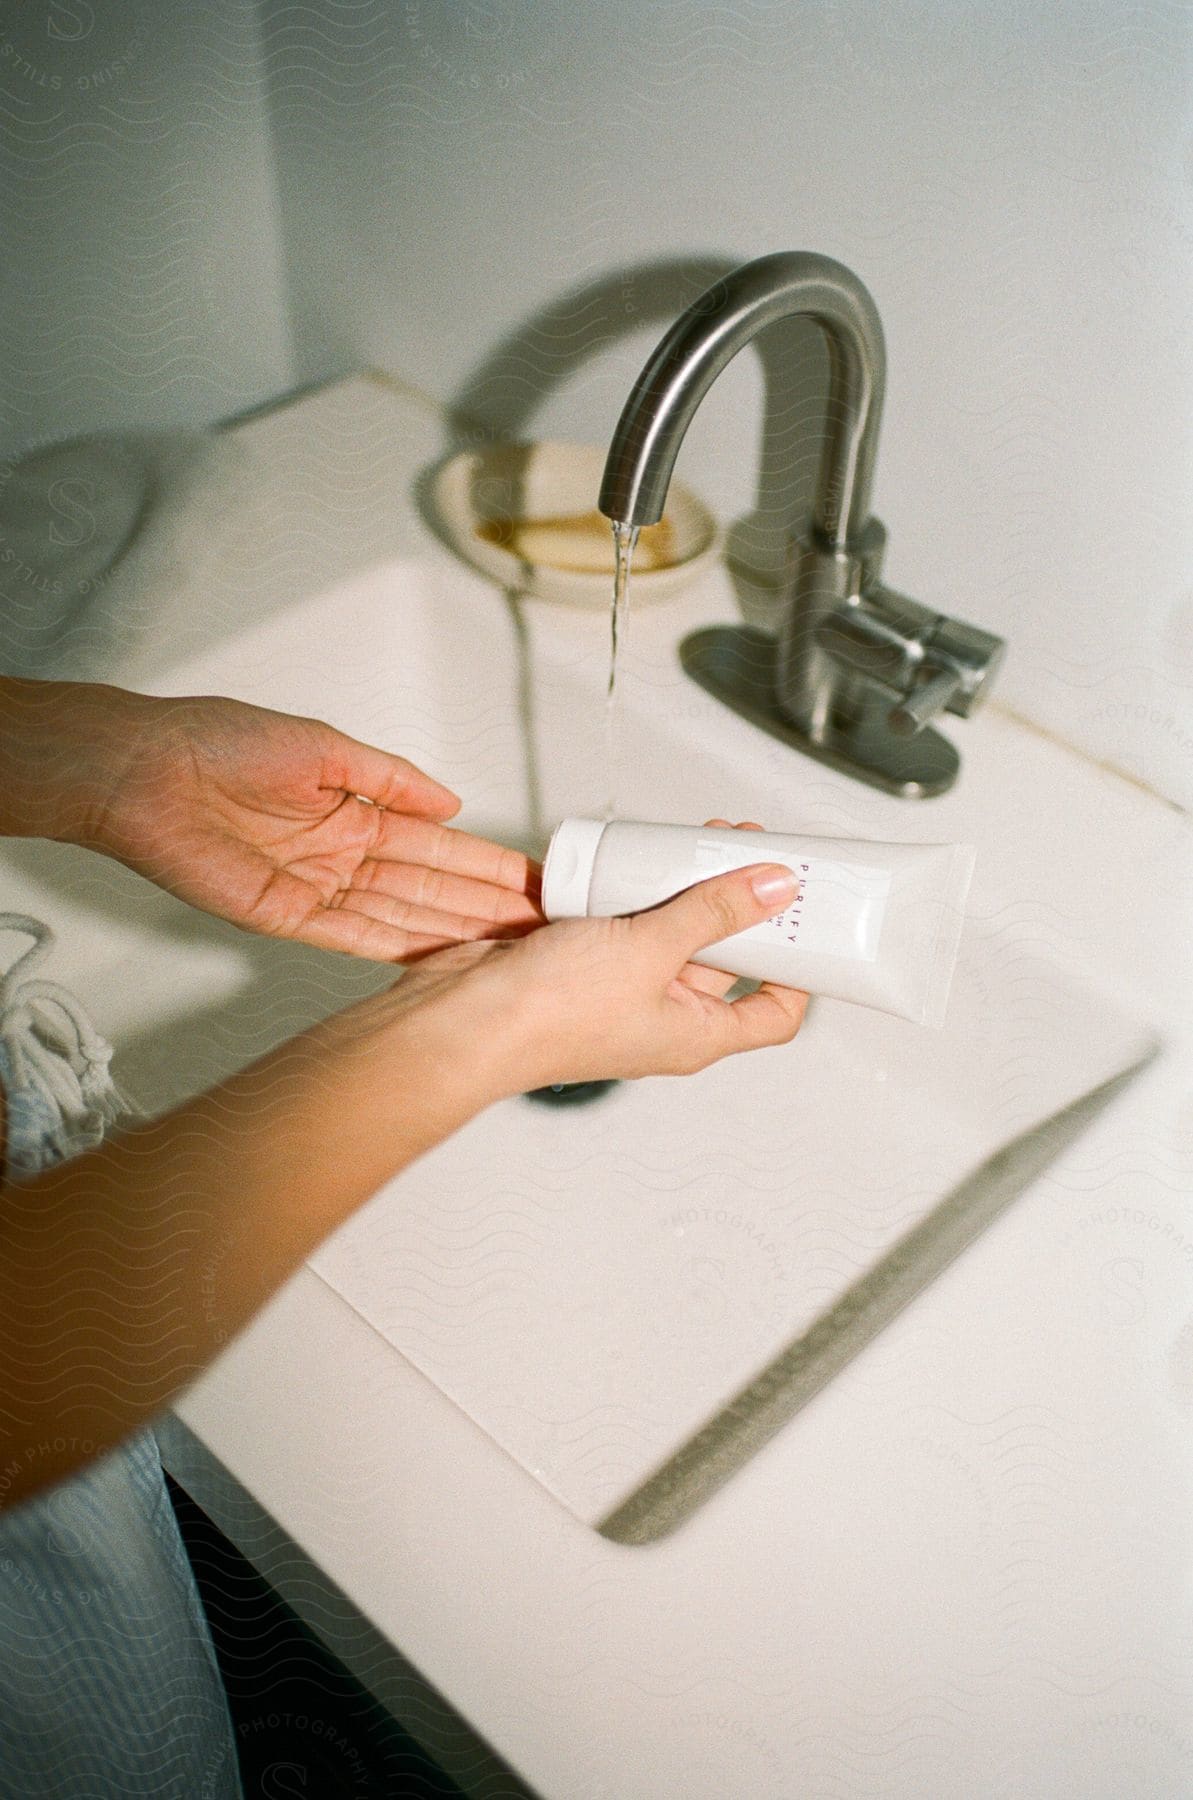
(109, 1684)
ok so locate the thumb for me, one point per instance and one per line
(715, 909)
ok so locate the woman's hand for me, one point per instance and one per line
(286, 826)
(285, 1150)
(587, 999)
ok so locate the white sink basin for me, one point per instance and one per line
(593, 1284)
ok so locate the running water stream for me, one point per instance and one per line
(571, 1093)
(624, 539)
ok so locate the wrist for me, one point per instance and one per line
(65, 746)
(420, 1065)
(469, 1042)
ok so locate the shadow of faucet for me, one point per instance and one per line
(498, 399)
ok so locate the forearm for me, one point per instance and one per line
(63, 745)
(124, 1271)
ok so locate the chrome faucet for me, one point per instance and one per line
(857, 670)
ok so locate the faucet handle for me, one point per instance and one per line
(975, 655)
(933, 663)
(959, 661)
(925, 700)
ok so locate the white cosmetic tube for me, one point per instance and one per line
(877, 924)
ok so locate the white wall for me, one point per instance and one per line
(506, 200)
(1007, 179)
(141, 277)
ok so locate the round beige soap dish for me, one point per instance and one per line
(526, 515)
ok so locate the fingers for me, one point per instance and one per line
(773, 1015)
(386, 780)
(717, 908)
(436, 846)
(414, 920)
(695, 975)
(356, 934)
(406, 935)
(435, 890)
(706, 981)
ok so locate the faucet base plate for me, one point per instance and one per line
(736, 664)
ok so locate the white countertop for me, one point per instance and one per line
(1033, 1411)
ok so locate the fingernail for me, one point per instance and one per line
(774, 885)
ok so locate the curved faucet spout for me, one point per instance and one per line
(707, 336)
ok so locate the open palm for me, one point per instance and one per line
(286, 826)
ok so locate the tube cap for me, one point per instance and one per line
(567, 870)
